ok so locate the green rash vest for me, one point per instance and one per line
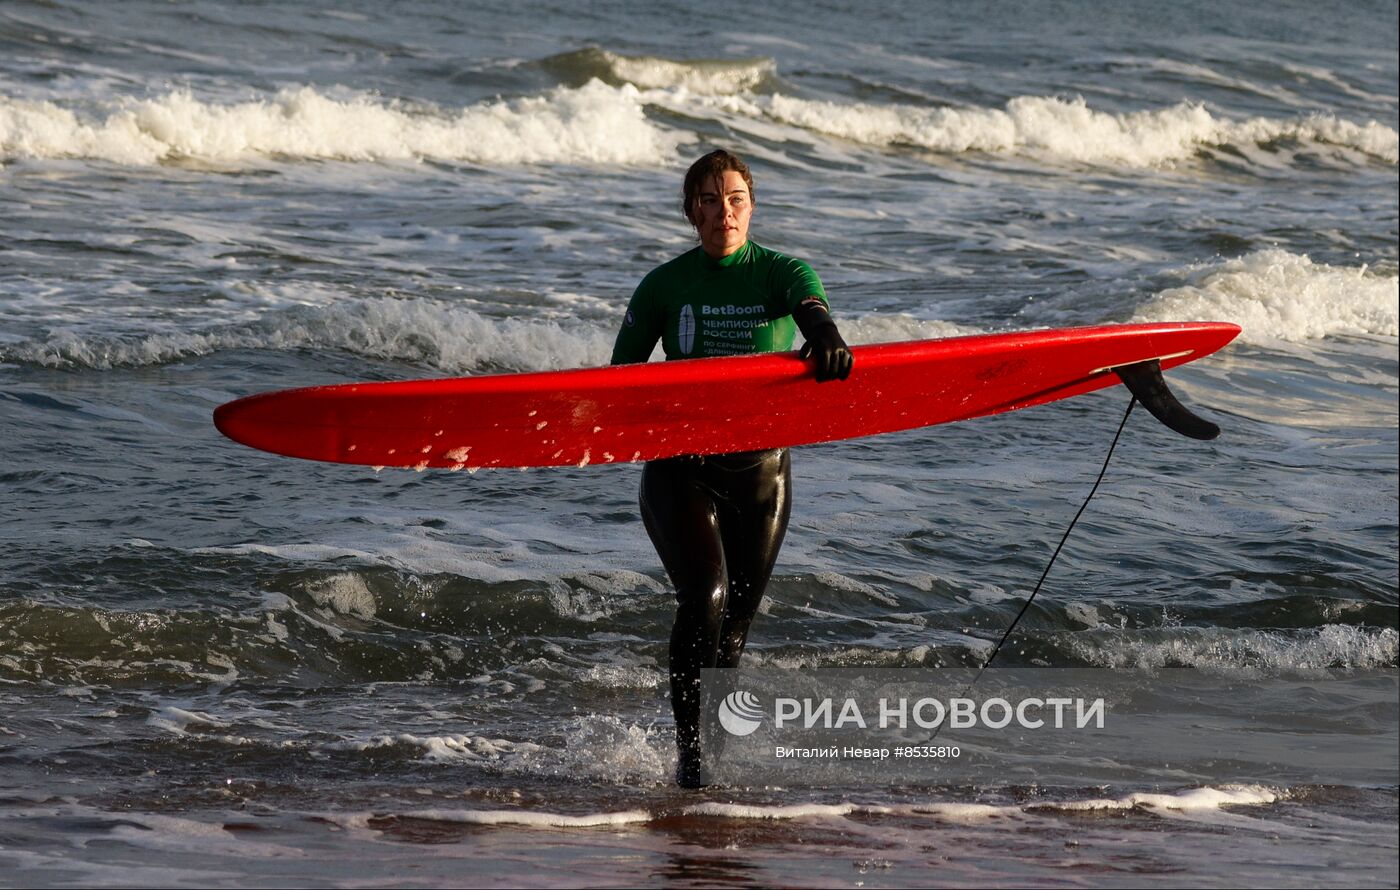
(701, 307)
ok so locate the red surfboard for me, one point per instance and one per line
(698, 406)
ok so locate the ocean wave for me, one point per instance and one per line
(431, 332)
(602, 120)
(1205, 798)
(177, 720)
(357, 624)
(594, 747)
(1276, 295)
(437, 333)
(609, 749)
(709, 77)
(1065, 130)
(451, 748)
(344, 593)
(77, 646)
(1332, 647)
(593, 597)
(591, 124)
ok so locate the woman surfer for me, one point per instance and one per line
(718, 521)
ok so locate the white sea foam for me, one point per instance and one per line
(526, 552)
(789, 811)
(345, 593)
(401, 551)
(607, 749)
(1192, 799)
(193, 838)
(1186, 800)
(592, 124)
(846, 656)
(1064, 129)
(1332, 646)
(442, 334)
(455, 747)
(432, 332)
(601, 748)
(591, 596)
(1276, 295)
(616, 676)
(438, 333)
(530, 818)
(581, 604)
(838, 581)
(601, 124)
(963, 812)
(177, 720)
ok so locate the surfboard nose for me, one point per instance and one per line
(238, 420)
(259, 421)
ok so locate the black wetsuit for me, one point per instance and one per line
(716, 521)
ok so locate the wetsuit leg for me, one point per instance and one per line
(681, 518)
(717, 524)
(753, 521)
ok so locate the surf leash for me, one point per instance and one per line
(1049, 565)
(1065, 537)
(1144, 380)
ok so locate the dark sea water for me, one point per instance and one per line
(221, 667)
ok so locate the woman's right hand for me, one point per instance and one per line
(834, 359)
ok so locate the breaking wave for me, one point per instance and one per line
(709, 77)
(602, 119)
(1276, 295)
(590, 124)
(430, 332)
(1067, 129)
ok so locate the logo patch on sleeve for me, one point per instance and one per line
(685, 329)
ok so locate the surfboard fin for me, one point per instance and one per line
(1144, 381)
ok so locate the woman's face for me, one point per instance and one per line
(721, 214)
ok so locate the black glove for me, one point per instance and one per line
(833, 356)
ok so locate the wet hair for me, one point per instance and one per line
(714, 164)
